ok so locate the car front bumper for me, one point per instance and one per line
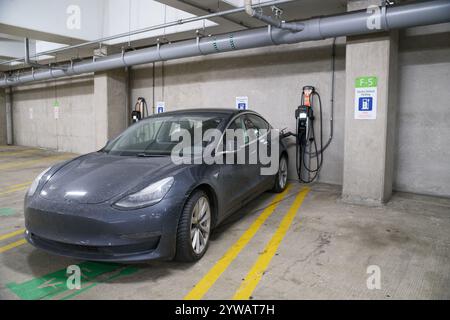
(99, 232)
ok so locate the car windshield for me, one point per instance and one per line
(154, 136)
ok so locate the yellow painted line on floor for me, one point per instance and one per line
(17, 185)
(19, 164)
(14, 188)
(202, 287)
(12, 148)
(18, 153)
(13, 245)
(11, 234)
(253, 277)
(9, 191)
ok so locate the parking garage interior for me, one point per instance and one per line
(379, 205)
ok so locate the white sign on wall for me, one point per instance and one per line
(366, 98)
(242, 103)
(160, 107)
(30, 113)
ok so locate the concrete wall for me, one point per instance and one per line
(423, 121)
(72, 132)
(272, 78)
(2, 117)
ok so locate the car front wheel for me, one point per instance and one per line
(281, 176)
(194, 228)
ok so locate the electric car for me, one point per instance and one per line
(131, 201)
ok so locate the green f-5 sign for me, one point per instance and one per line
(366, 82)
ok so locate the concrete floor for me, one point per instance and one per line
(324, 254)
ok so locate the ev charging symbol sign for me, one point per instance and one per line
(365, 104)
(160, 107)
(242, 103)
(366, 98)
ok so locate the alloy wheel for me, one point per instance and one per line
(200, 225)
(282, 174)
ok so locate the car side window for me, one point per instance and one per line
(239, 138)
(255, 124)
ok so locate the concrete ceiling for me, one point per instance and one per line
(106, 17)
(295, 10)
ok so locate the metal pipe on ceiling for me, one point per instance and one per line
(351, 23)
(258, 14)
(148, 29)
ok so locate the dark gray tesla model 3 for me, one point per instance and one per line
(130, 202)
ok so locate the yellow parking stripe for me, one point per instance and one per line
(16, 153)
(12, 165)
(15, 188)
(202, 287)
(253, 277)
(11, 234)
(18, 185)
(12, 245)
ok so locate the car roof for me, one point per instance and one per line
(222, 111)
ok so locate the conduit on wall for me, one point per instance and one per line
(351, 23)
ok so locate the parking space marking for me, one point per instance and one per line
(14, 188)
(7, 212)
(253, 277)
(18, 185)
(13, 245)
(21, 164)
(18, 153)
(202, 287)
(122, 272)
(54, 285)
(12, 234)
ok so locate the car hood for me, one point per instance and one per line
(98, 177)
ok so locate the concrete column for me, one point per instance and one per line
(9, 116)
(369, 144)
(110, 105)
(2, 117)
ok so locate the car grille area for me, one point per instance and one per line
(149, 245)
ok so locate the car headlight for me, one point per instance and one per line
(148, 196)
(36, 181)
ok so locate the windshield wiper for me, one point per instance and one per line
(148, 155)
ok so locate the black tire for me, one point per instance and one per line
(184, 249)
(278, 186)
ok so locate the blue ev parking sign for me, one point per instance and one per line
(242, 103)
(365, 104)
(160, 107)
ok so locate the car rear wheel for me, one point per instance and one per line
(194, 228)
(281, 177)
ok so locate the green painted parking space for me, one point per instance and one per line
(54, 285)
(6, 212)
